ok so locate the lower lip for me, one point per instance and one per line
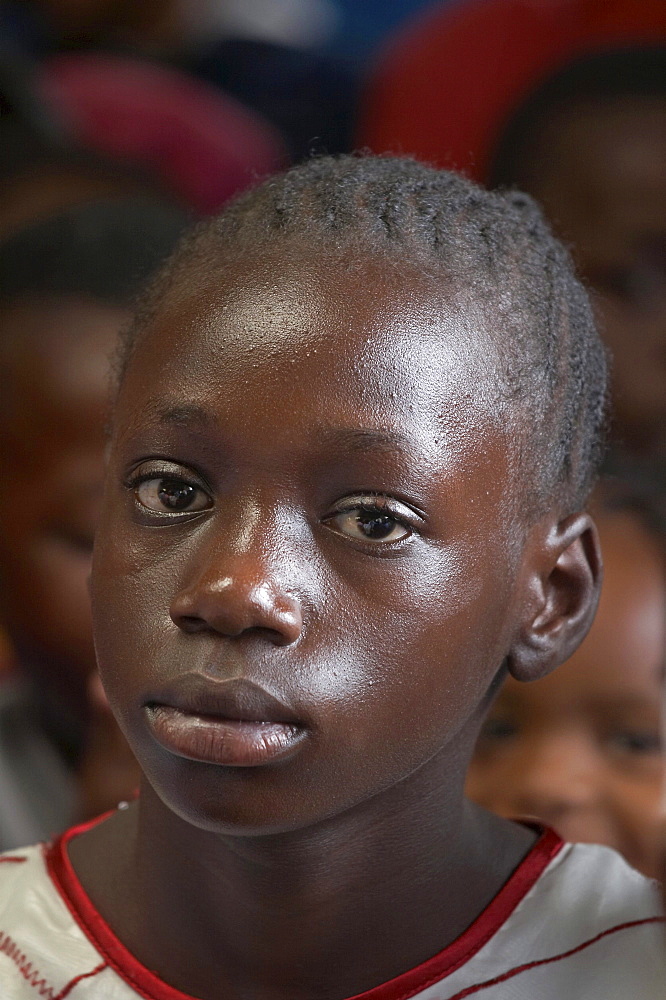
(231, 742)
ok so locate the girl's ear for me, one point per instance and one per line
(563, 572)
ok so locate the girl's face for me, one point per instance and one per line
(305, 579)
(582, 749)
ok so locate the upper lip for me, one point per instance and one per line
(236, 699)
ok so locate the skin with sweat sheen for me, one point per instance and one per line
(312, 506)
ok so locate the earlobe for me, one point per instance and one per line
(563, 572)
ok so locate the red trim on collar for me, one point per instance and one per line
(148, 985)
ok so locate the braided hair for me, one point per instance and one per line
(493, 248)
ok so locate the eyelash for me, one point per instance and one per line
(372, 503)
(376, 503)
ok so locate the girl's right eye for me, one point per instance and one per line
(170, 495)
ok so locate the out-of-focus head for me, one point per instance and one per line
(66, 288)
(582, 749)
(590, 146)
(90, 125)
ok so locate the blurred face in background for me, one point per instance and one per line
(601, 178)
(582, 749)
(55, 362)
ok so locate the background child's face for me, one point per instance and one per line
(53, 427)
(271, 407)
(581, 749)
(603, 186)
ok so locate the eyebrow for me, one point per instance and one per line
(350, 438)
(186, 415)
(366, 439)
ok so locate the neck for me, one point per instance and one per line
(332, 910)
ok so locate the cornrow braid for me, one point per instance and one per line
(493, 248)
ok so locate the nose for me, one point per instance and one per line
(233, 593)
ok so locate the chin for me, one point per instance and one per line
(234, 802)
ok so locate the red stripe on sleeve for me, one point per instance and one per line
(554, 958)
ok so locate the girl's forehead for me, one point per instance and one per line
(308, 357)
(349, 320)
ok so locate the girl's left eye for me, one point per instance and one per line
(171, 495)
(638, 742)
(370, 524)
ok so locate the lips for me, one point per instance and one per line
(231, 723)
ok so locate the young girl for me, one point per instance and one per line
(356, 425)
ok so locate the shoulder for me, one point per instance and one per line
(43, 952)
(590, 927)
(54, 943)
(597, 884)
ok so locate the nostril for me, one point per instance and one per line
(190, 623)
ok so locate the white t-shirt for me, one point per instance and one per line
(573, 922)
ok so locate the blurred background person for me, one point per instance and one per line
(105, 124)
(67, 284)
(165, 26)
(590, 146)
(296, 62)
(582, 750)
(41, 169)
(267, 54)
(443, 84)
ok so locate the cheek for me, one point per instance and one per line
(404, 657)
(131, 623)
